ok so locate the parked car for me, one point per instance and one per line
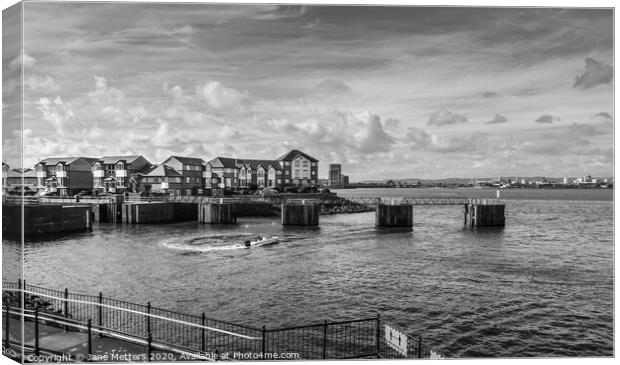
(270, 192)
(84, 193)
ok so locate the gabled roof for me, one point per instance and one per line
(66, 160)
(163, 170)
(27, 172)
(293, 154)
(264, 163)
(115, 159)
(225, 162)
(186, 160)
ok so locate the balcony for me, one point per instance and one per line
(121, 173)
(98, 173)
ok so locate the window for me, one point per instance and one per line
(305, 164)
(208, 168)
(287, 172)
(279, 181)
(97, 166)
(120, 166)
(197, 180)
(286, 181)
(187, 180)
(296, 163)
(313, 172)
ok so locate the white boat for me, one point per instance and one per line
(261, 241)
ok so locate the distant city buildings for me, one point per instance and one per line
(335, 172)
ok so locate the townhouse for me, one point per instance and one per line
(65, 175)
(292, 168)
(162, 179)
(118, 174)
(192, 172)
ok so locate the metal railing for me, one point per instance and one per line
(159, 328)
(447, 200)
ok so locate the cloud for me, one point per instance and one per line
(546, 118)
(391, 123)
(104, 94)
(489, 94)
(498, 119)
(419, 139)
(333, 86)
(219, 97)
(58, 112)
(44, 83)
(596, 73)
(445, 117)
(604, 115)
(16, 63)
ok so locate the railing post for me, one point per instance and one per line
(149, 341)
(66, 302)
(36, 331)
(202, 333)
(324, 339)
(148, 319)
(263, 345)
(20, 293)
(419, 347)
(7, 342)
(377, 336)
(90, 339)
(100, 319)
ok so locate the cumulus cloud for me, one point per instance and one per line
(444, 117)
(596, 73)
(583, 129)
(332, 86)
(419, 139)
(104, 94)
(43, 83)
(16, 63)
(498, 119)
(391, 123)
(56, 111)
(546, 118)
(343, 131)
(604, 115)
(219, 97)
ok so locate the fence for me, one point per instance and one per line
(185, 333)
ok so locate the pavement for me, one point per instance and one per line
(58, 345)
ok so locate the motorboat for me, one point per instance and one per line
(261, 241)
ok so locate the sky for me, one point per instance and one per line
(388, 92)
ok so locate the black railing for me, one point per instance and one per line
(158, 328)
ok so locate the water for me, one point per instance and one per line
(542, 286)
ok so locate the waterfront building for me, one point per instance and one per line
(5, 175)
(65, 175)
(162, 179)
(192, 170)
(335, 174)
(345, 180)
(292, 168)
(114, 173)
(17, 177)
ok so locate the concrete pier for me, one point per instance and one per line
(45, 219)
(300, 214)
(480, 214)
(147, 213)
(218, 213)
(394, 215)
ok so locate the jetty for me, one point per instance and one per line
(78, 327)
(45, 215)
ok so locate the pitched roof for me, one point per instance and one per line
(66, 160)
(162, 170)
(115, 159)
(25, 172)
(292, 154)
(186, 160)
(264, 163)
(226, 162)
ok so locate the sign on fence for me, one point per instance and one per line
(396, 340)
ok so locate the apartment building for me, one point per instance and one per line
(292, 168)
(65, 175)
(192, 170)
(162, 179)
(114, 173)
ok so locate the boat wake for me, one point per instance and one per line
(206, 243)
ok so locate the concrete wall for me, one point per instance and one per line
(217, 213)
(394, 215)
(300, 214)
(480, 215)
(256, 209)
(45, 219)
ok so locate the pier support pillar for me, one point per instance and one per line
(397, 215)
(219, 213)
(300, 214)
(485, 215)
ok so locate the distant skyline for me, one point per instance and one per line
(388, 92)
